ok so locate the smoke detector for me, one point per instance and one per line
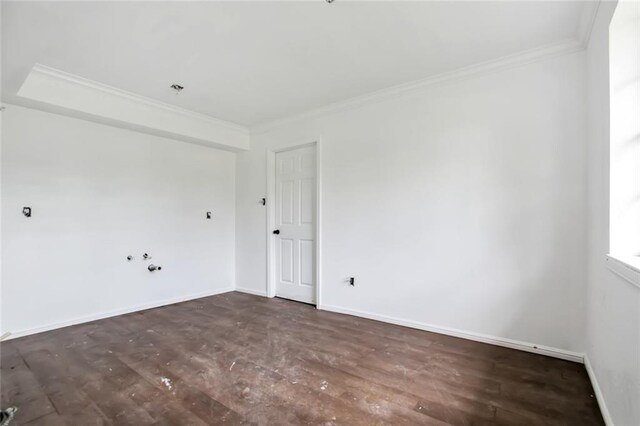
(178, 88)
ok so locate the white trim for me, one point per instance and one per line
(81, 81)
(271, 214)
(626, 267)
(116, 312)
(606, 415)
(262, 293)
(469, 335)
(66, 94)
(522, 58)
(271, 195)
(318, 220)
(587, 21)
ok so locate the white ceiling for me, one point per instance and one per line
(253, 62)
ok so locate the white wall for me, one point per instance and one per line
(460, 205)
(613, 338)
(98, 194)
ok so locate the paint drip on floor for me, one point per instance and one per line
(167, 382)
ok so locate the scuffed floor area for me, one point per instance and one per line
(241, 359)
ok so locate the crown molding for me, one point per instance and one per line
(58, 91)
(587, 21)
(563, 47)
(75, 79)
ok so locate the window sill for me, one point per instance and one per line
(628, 267)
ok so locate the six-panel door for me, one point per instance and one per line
(295, 219)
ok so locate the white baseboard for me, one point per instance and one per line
(478, 337)
(606, 415)
(116, 312)
(262, 293)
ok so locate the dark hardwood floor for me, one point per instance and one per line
(237, 358)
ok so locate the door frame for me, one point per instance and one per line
(271, 213)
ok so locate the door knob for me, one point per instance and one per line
(277, 231)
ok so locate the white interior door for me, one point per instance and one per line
(295, 224)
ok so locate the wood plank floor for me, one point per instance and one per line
(241, 359)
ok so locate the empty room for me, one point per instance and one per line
(320, 212)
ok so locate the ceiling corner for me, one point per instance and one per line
(587, 20)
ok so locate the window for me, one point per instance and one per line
(624, 74)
